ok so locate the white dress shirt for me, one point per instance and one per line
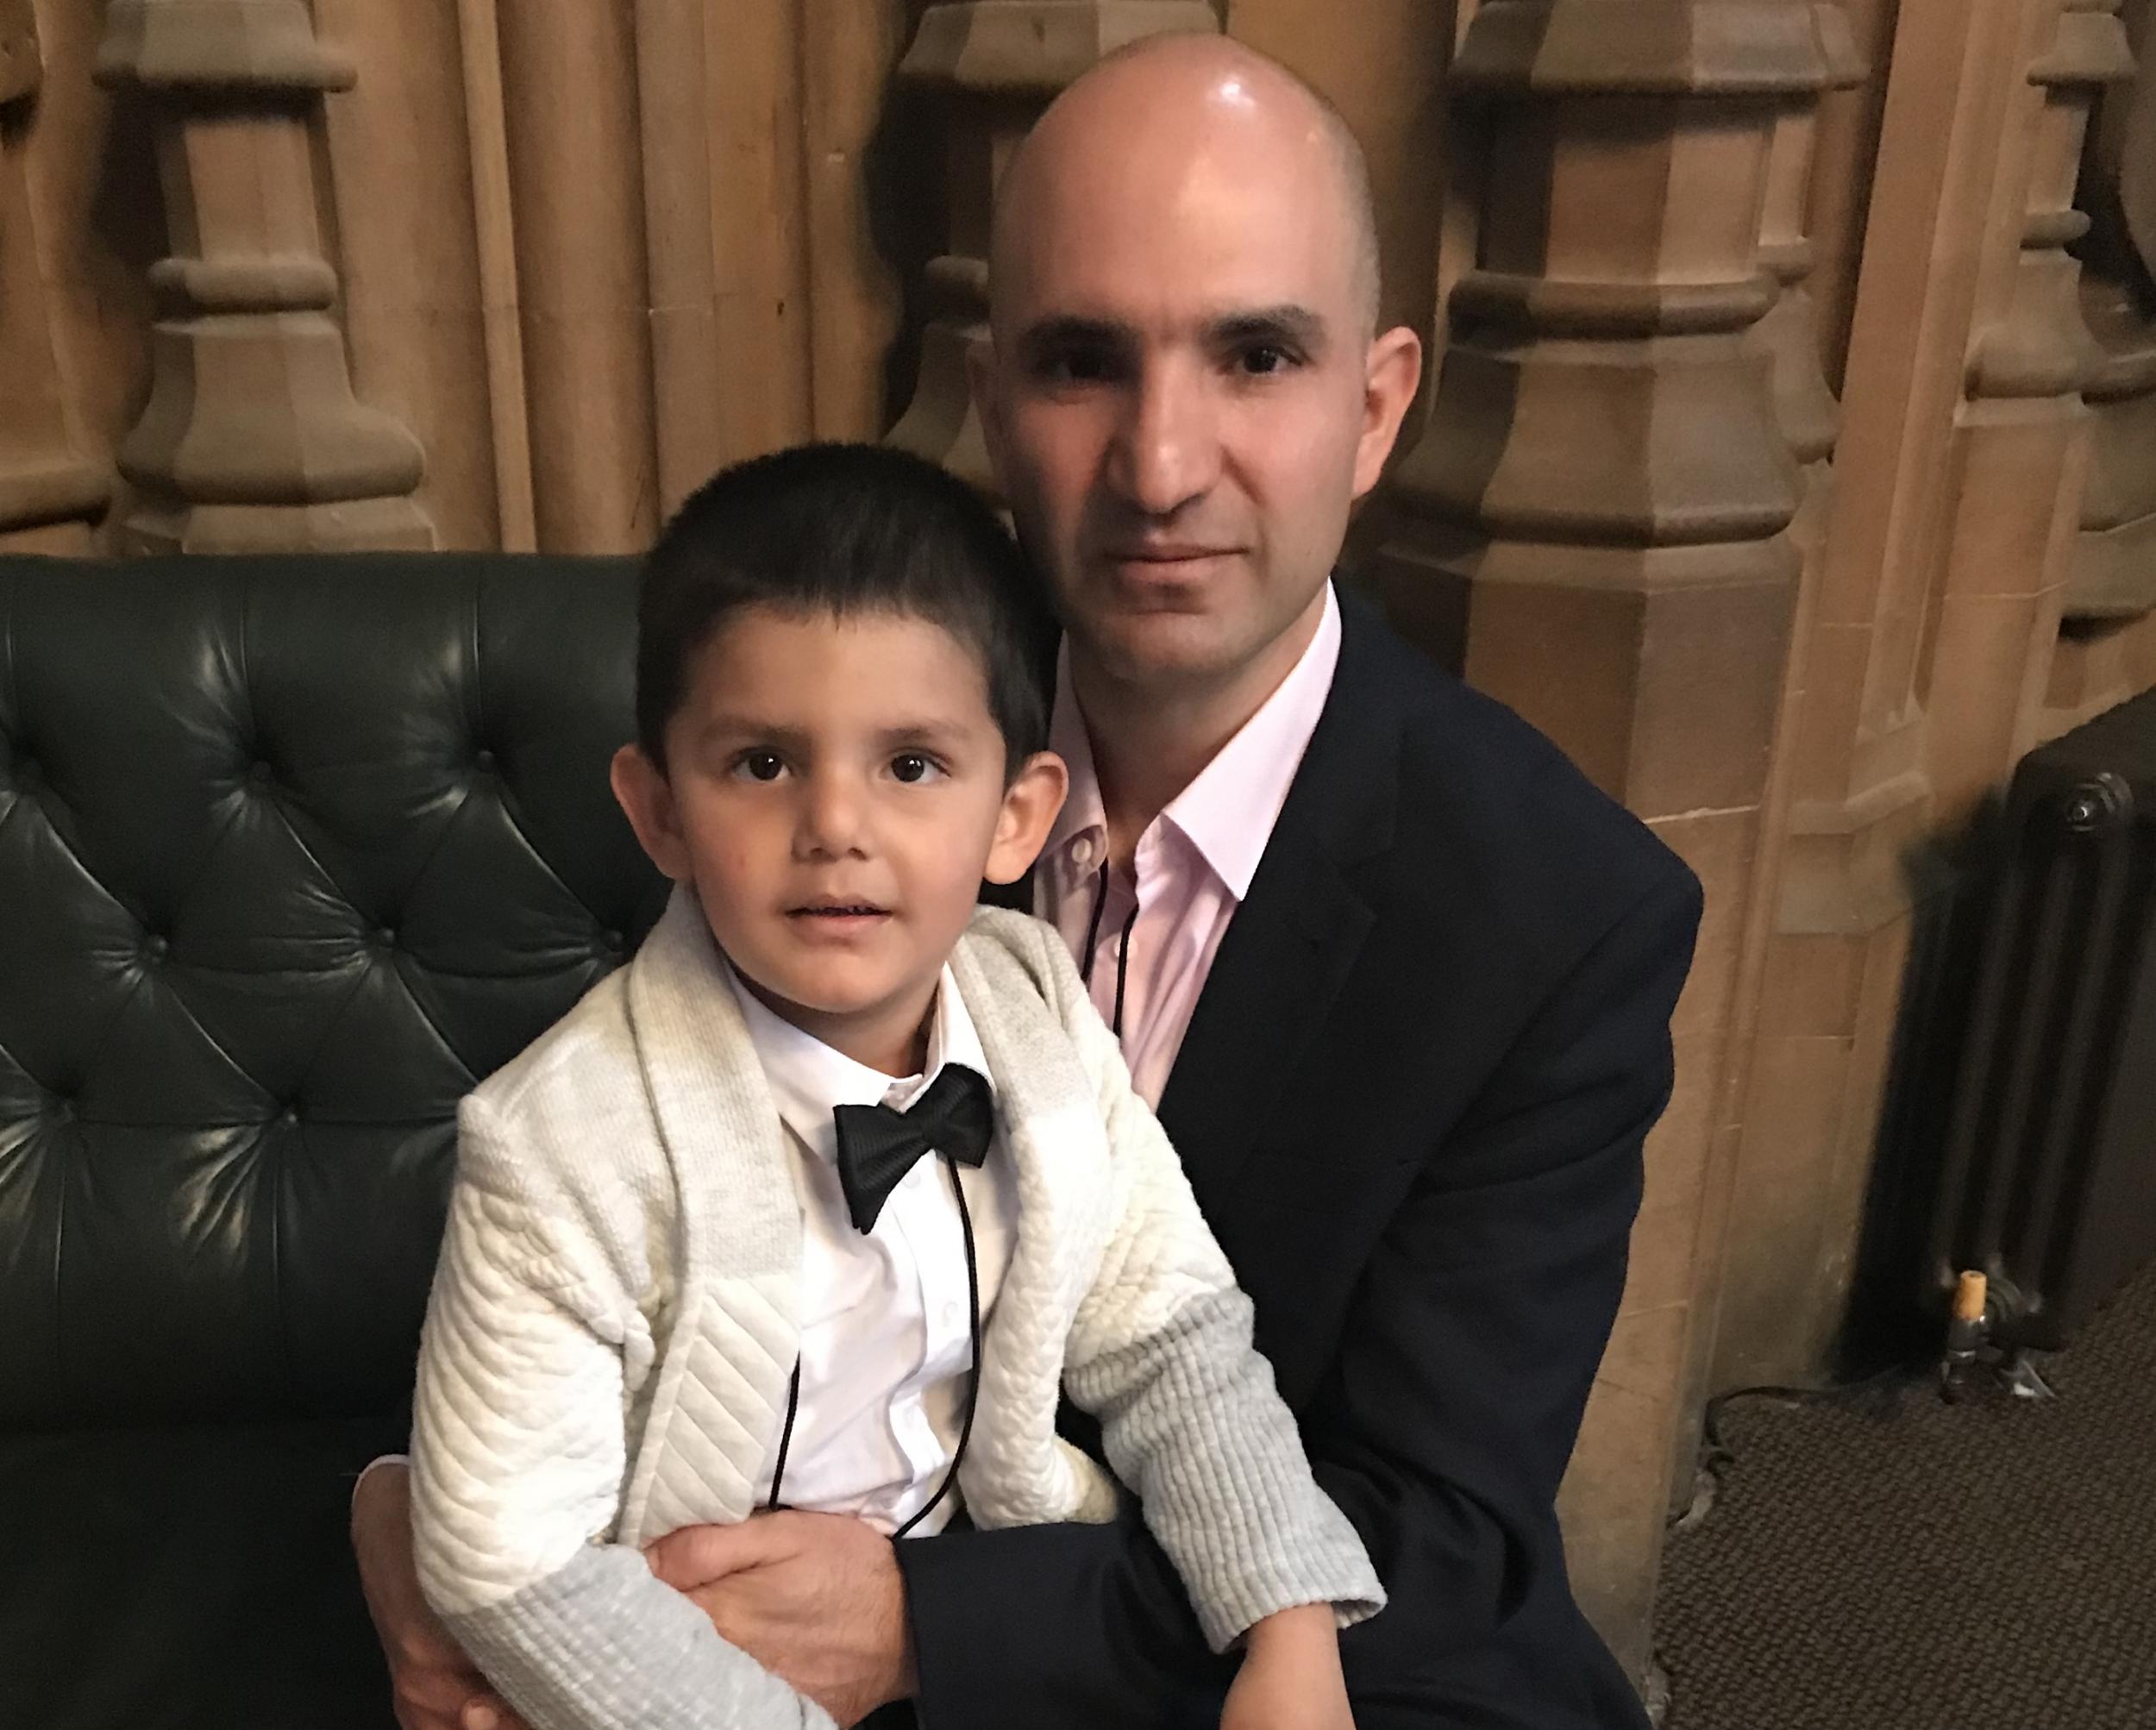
(886, 1333)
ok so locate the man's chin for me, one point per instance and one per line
(1163, 647)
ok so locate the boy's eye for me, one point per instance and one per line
(759, 765)
(913, 766)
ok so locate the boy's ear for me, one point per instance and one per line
(1031, 804)
(641, 787)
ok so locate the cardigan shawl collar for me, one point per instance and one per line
(736, 1330)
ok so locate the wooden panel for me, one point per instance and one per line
(43, 479)
(410, 264)
(757, 231)
(98, 222)
(569, 111)
(47, 490)
(20, 65)
(854, 149)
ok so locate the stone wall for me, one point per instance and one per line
(1789, 452)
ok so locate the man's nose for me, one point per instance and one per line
(831, 822)
(1169, 450)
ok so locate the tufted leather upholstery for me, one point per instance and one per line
(291, 853)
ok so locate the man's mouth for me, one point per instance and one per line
(1167, 554)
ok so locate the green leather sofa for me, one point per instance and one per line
(293, 851)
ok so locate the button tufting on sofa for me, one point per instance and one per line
(221, 1184)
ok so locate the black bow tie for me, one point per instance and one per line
(877, 1146)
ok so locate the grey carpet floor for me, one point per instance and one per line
(1906, 1565)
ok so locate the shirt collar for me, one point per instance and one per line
(809, 1079)
(1228, 810)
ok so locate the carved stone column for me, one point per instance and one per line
(252, 441)
(2107, 645)
(43, 482)
(1958, 482)
(2022, 441)
(996, 64)
(1809, 416)
(1593, 526)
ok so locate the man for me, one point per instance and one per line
(1399, 980)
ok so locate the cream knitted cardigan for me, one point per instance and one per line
(613, 1326)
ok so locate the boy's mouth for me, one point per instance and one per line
(836, 910)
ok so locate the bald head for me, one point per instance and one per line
(1163, 114)
(1184, 391)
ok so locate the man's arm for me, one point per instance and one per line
(1443, 1430)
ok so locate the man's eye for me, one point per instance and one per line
(1265, 358)
(759, 765)
(1074, 366)
(913, 766)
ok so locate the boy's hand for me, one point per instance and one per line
(433, 1686)
(1290, 1678)
(815, 1598)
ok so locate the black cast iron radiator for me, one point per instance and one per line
(2049, 1176)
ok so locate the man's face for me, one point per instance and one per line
(1180, 402)
(835, 791)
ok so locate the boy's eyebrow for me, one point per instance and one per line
(723, 725)
(931, 728)
(935, 730)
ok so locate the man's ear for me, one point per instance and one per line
(1031, 804)
(647, 799)
(1389, 378)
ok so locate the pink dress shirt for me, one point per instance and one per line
(1145, 938)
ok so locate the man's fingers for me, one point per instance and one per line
(427, 1699)
(695, 1555)
(484, 1711)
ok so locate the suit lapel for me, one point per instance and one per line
(1293, 941)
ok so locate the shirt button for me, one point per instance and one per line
(1083, 849)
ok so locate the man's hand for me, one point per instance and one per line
(433, 1686)
(814, 1598)
(1290, 1678)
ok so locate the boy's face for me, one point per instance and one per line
(834, 789)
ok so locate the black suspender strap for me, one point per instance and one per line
(973, 1374)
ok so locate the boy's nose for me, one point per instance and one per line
(830, 818)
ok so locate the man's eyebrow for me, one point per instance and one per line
(1288, 323)
(1066, 329)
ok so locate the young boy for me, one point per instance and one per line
(706, 1253)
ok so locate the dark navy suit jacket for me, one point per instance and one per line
(1411, 1101)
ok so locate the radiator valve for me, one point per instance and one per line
(1965, 1331)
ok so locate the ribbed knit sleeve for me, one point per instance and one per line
(1161, 1352)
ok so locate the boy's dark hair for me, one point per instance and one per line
(845, 530)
